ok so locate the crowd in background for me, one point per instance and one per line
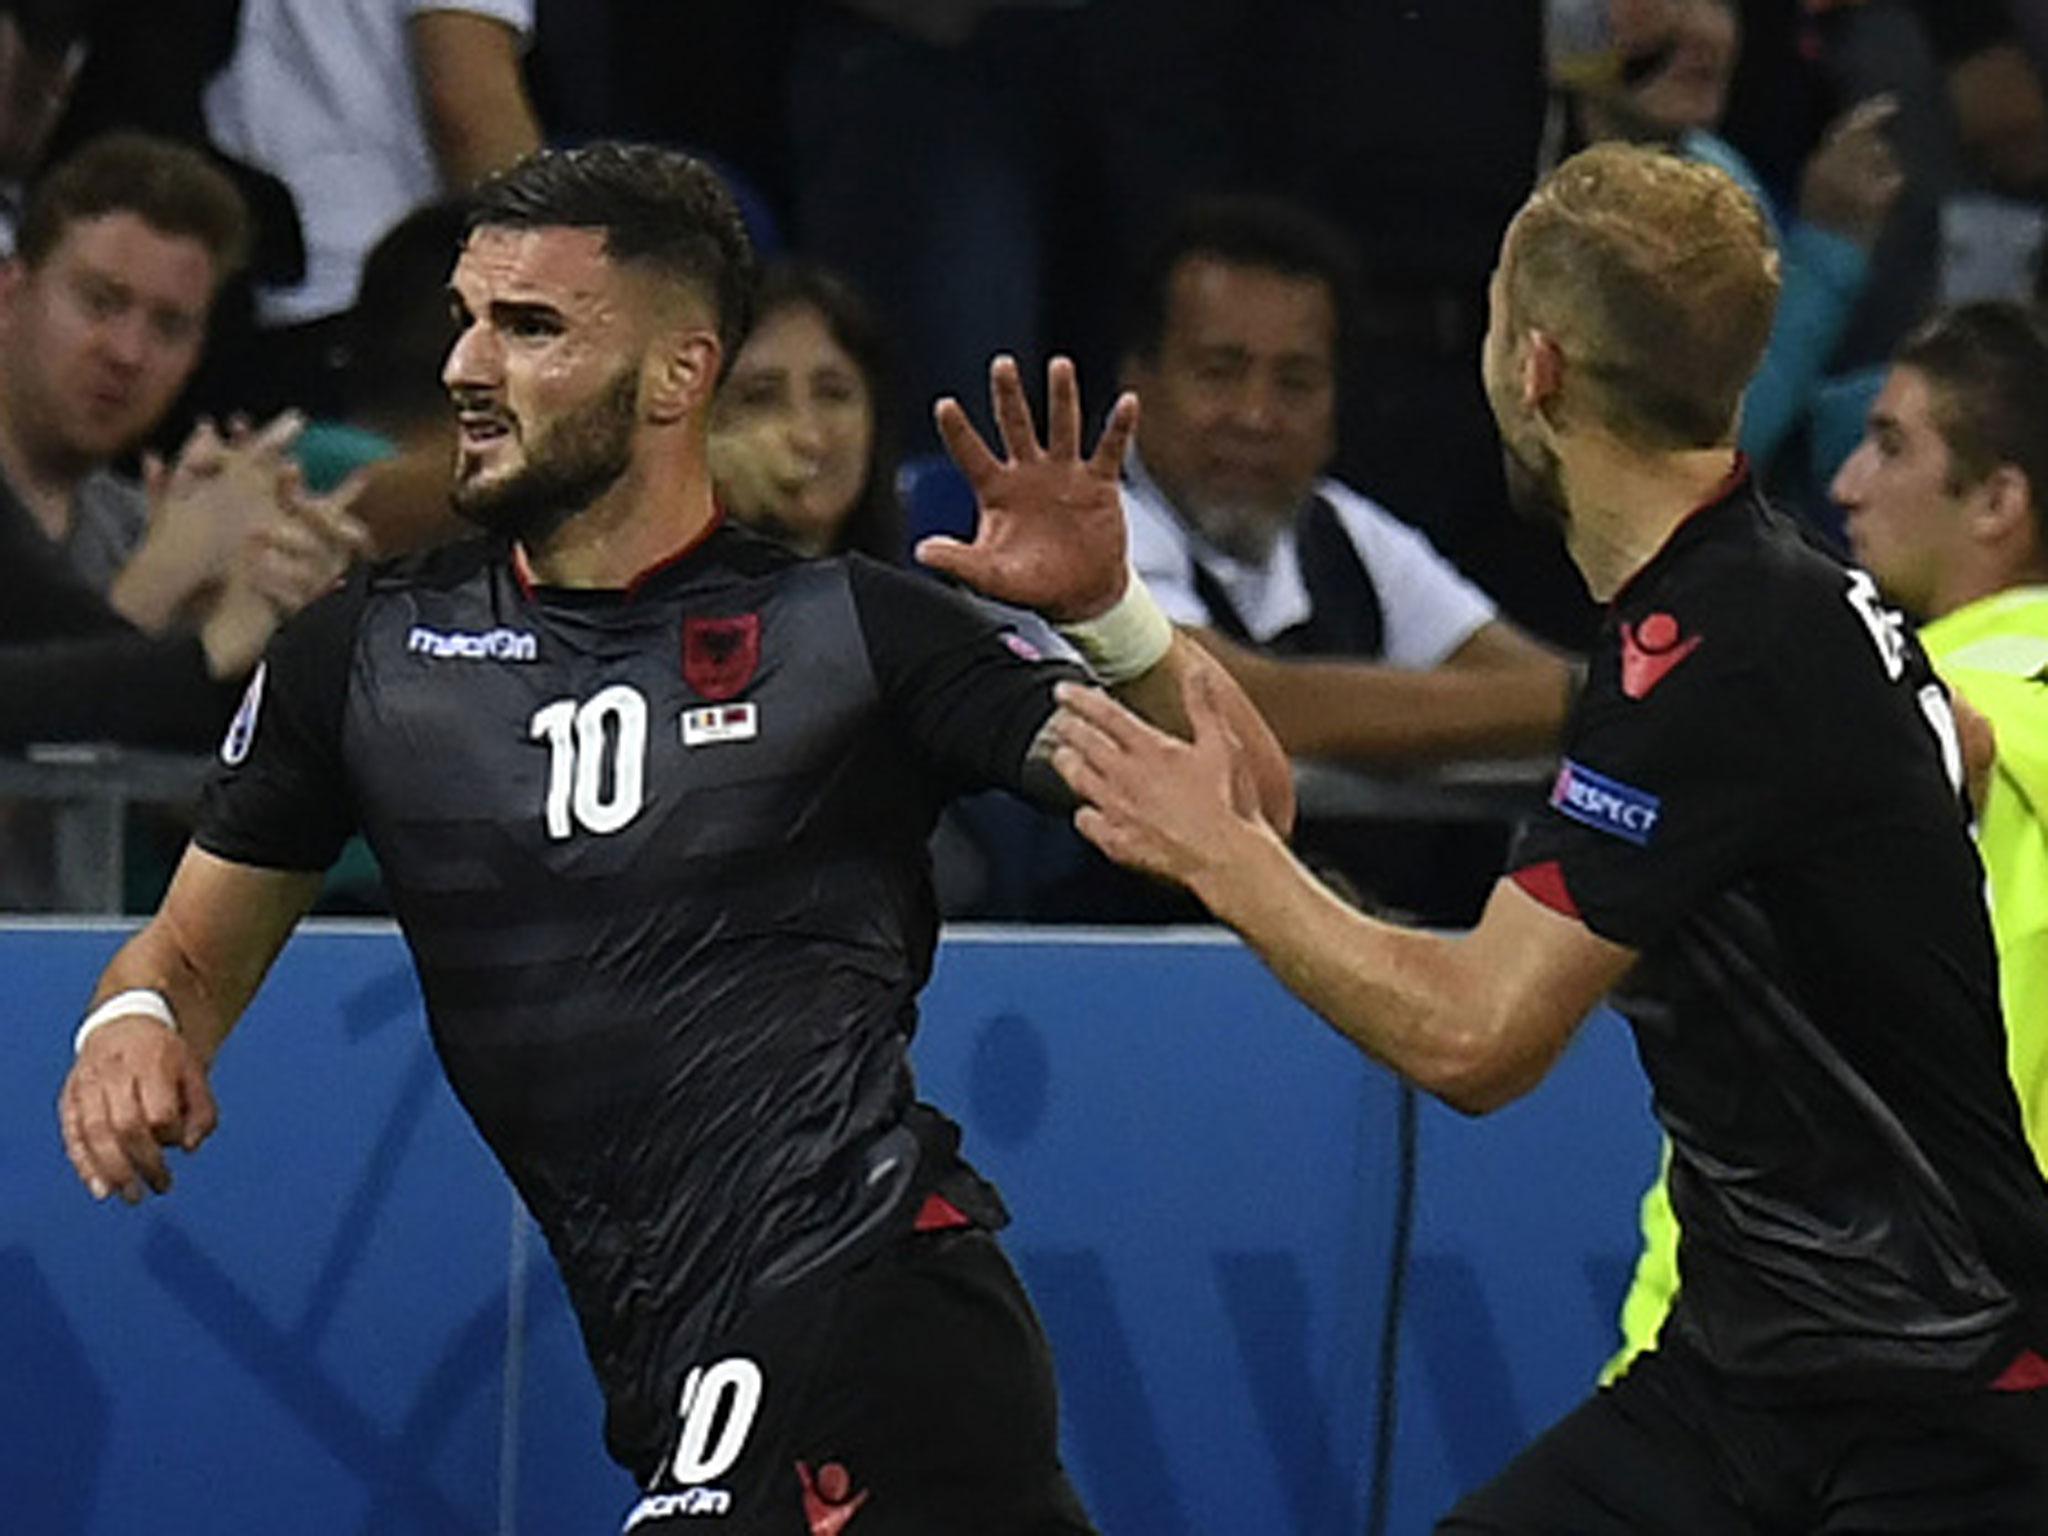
(221, 328)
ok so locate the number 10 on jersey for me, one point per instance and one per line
(597, 760)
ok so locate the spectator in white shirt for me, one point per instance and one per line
(1354, 637)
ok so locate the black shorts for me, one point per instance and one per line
(1662, 1453)
(911, 1396)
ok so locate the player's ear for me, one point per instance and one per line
(682, 375)
(1542, 373)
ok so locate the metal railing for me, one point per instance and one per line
(90, 789)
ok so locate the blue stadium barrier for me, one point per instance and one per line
(340, 1322)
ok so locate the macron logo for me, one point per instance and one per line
(1606, 805)
(490, 645)
(691, 1501)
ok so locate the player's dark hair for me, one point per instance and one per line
(875, 525)
(173, 189)
(1268, 233)
(1987, 366)
(655, 207)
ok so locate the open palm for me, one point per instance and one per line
(1050, 530)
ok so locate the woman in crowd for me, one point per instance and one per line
(803, 446)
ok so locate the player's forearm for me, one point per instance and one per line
(211, 943)
(1375, 715)
(205, 1005)
(1404, 997)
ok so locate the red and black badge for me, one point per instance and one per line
(830, 1499)
(720, 656)
(1650, 650)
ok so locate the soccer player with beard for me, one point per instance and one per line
(1757, 847)
(651, 796)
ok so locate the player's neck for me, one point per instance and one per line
(1625, 503)
(640, 522)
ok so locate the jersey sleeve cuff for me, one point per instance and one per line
(1545, 883)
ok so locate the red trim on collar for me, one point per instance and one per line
(670, 561)
(522, 572)
(1737, 473)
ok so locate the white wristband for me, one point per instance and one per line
(122, 1005)
(1127, 641)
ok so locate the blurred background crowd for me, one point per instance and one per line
(230, 223)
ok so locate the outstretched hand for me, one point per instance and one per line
(1050, 530)
(1169, 807)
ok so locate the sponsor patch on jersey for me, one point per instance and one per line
(1606, 805)
(1650, 650)
(234, 746)
(473, 645)
(721, 655)
(683, 1502)
(830, 1499)
(721, 722)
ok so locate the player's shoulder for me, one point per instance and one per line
(1738, 599)
(444, 583)
(737, 550)
(1744, 569)
(442, 568)
(872, 578)
(901, 604)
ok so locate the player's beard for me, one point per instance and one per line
(568, 467)
(1535, 486)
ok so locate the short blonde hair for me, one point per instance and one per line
(1658, 279)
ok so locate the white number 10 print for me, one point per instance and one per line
(597, 760)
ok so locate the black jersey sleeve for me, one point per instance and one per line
(280, 797)
(1668, 789)
(971, 689)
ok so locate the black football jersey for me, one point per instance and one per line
(660, 858)
(1760, 793)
